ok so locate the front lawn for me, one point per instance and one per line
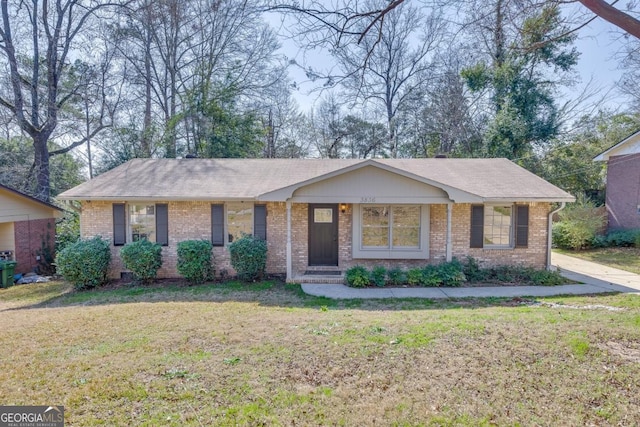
(627, 259)
(239, 354)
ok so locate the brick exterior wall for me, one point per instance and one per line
(29, 237)
(534, 255)
(192, 220)
(623, 191)
(187, 221)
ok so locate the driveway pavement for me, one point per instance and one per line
(595, 278)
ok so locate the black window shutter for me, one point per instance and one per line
(260, 222)
(217, 225)
(119, 224)
(477, 226)
(522, 226)
(162, 224)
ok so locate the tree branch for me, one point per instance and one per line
(615, 16)
(81, 141)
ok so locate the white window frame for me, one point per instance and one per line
(247, 205)
(129, 222)
(512, 239)
(360, 252)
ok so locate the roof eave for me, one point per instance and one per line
(604, 156)
(31, 198)
(156, 198)
(558, 199)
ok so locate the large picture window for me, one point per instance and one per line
(390, 227)
(391, 231)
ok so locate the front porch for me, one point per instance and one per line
(302, 265)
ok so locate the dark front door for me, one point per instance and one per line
(323, 234)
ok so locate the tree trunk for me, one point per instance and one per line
(41, 162)
(146, 125)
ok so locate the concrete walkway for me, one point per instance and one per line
(596, 278)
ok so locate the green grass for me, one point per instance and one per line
(267, 354)
(627, 259)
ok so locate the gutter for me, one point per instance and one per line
(549, 237)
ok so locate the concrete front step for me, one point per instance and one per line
(323, 268)
(319, 279)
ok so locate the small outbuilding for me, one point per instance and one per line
(27, 228)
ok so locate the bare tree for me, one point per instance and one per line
(36, 41)
(328, 131)
(392, 66)
(283, 124)
(383, 64)
(448, 121)
(186, 54)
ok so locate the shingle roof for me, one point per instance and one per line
(30, 198)
(224, 179)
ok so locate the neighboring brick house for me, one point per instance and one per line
(623, 183)
(26, 224)
(326, 214)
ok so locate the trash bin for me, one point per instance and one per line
(6, 271)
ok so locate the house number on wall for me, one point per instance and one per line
(367, 199)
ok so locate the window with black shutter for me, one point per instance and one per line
(162, 224)
(217, 225)
(499, 226)
(477, 226)
(260, 221)
(119, 224)
(522, 226)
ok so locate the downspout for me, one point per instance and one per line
(549, 232)
(288, 256)
(449, 244)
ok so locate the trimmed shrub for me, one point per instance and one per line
(451, 273)
(544, 277)
(505, 273)
(623, 238)
(249, 257)
(396, 277)
(508, 274)
(472, 270)
(430, 276)
(414, 276)
(578, 226)
(143, 258)
(358, 277)
(195, 260)
(85, 263)
(599, 241)
(379, 275)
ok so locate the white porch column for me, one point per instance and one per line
(289, 262)
(449, 232)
